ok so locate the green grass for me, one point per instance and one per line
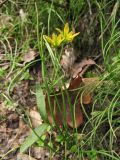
(97, 136)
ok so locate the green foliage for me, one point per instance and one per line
(34, 137)
(41, 103)
(40, 143)
(92, 155)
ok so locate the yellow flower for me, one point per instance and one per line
(55, 40)
(68, 36)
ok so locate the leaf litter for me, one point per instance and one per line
(13, 131)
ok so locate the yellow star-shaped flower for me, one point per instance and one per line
(66, 34)
(55, 40)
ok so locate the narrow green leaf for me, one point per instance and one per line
(41, 103)
(40, 130)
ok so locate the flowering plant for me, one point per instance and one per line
(64, 35)
(67, 35)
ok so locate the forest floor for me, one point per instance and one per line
(80, 72)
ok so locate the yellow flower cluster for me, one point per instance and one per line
(64, 35)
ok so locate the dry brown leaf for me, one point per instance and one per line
(29, 56)
(57, 114)
(74, 95)
(87, 99)
(59, 109)
(78, 116)
(78, 67)
(35, 118)
(67, 61)
(75, 83)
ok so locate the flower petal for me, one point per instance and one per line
(59, 39)
(54, 36)
(49, 39)
(66, 29)
(71, 36)
(76, 34)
